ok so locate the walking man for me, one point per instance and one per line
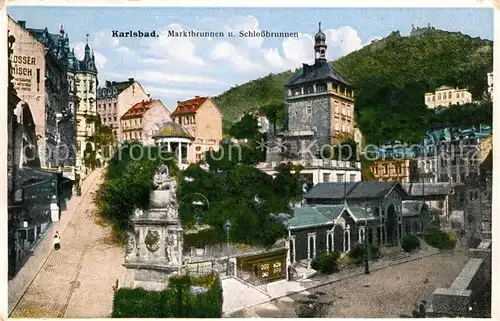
(57, 241)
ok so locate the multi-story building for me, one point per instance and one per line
(143, 120)
(394, 162)
(446, 96)
(451, 155)
(320, 114)
(490, 84)
(203, 119)
(115, 99)
(86, 107)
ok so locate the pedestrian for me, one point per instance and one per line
(57, 241)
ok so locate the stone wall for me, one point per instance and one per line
(462, 297)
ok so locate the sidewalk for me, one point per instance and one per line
(280, 289)
(21, 282)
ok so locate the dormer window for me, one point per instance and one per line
(321, 88)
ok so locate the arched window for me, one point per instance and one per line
(346, 241)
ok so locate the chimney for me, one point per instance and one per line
(108, 83)
(113, 83)
(197, 97)
(131, 80)
(149, 96)
(22, 23)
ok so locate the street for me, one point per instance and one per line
(77, 280)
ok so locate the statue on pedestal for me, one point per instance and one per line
(162, 180)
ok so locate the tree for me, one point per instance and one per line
(246, 128)
(275, 113)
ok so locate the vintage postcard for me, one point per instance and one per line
(204, 161)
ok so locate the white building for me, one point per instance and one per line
(490, 84)
(445, 96)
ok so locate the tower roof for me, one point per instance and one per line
(320, 36)
(173, 129)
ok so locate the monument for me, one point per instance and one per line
(154, 248)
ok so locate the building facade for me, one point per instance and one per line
(203, 119)
(395, 162)
(86, 108)
(490, 85)
(450, 155)
(446, 96)
(340, 215)
(320, 114)
(143, 121)
(115, 99)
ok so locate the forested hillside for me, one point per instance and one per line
(391, 76)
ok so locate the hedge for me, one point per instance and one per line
(440, 239)
(176, 301)
(357, 253)
(326, 262)
(410, 242)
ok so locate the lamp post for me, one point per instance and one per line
(367, 249)
(227, 226)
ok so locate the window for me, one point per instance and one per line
(326, 177)
(462, 95)
(386, 169)
(439, 96)
(458, 95)
(309, 109)
(340, 177)
(449, 95)
(310, 90)
(352, 177)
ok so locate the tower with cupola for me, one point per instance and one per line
(320, 105)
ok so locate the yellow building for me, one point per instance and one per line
(143, 120)
(394, 170)
(203, 120)
(445, 96)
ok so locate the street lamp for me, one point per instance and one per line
(227, 226)
(367, 249)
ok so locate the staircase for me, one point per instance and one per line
(301, 270)
(395, 253)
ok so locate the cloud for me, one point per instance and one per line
(246, 23)
(299, 50)
(100, 59)
(182, 49)
(178, 93)
(342, 41)
(103, 39)
(122, 49)
(273, 57)
(154, 61)
(162, 77)
(226, 51)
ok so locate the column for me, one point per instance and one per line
(179, 152)
(169, 149)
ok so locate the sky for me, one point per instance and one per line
(175, 69)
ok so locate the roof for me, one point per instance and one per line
(444, 87)
(140, 108)
(423, 189)
(412, 208)
(173, 129)
(320, 70)
(189, 106)
(321, 215)
(112, 86)
(353, 190)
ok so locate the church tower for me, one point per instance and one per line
(320, 105)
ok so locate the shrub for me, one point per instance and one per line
(440, 239)
(410, 242)
(326, 262)
(174, 302)
(357, 254)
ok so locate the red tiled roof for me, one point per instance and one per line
(189, 106)
(139, 109)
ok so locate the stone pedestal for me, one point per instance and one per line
(154, 248)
